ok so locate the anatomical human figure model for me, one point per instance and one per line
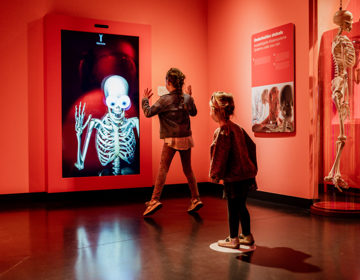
(260, 107)
(115, 137)
(343, 53)
(286, 108)
(273, 118)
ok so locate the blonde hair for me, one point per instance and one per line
(223, 104)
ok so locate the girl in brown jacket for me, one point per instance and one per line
(233, 160)
(174, 111)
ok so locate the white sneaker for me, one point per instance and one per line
(246, 240)
(228, 242)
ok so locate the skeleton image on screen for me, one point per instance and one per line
(343, 53)
(115, 134)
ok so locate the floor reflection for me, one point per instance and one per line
(174, 264)
(105, 259)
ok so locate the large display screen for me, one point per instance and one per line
(95, 137)
(100, 104)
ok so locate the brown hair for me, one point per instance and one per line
(176, 78)
(223, 104)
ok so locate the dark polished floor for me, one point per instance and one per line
(110, 240)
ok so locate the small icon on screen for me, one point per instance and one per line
(100, 42)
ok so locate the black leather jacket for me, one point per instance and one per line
(173, 110)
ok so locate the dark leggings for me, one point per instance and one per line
(236, 193)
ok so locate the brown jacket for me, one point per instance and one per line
(173, 111)
(232, 154)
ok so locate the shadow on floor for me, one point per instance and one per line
(280, 257)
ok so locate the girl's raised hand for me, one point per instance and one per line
(148, 93)
(189, 90)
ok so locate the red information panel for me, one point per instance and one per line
(273, 83)
(96, 137)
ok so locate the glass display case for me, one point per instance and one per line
(343, 199)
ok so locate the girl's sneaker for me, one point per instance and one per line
(152, 206)
(195, 205)
(246, 240)
(228, 242)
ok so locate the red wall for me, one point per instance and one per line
(208, 40)
(284, 163)
(178, 39)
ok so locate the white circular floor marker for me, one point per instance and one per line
(243, 249)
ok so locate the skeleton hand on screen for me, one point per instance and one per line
(79, 119)
(79, 128)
